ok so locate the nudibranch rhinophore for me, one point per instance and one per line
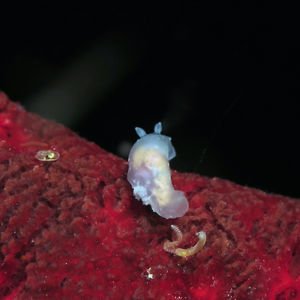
(149, 174)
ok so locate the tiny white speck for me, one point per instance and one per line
(149, 274)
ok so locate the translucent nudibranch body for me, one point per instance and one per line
(149, 174)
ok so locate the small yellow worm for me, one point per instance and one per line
(171, 247)
(193, 250)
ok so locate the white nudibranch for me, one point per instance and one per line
(149, 174)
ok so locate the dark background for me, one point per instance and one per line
(224, 80)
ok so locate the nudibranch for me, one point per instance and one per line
(149, 174)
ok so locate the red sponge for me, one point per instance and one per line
(71, 228)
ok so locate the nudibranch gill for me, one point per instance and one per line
(149, 174)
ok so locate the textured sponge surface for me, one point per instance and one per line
(71, 228)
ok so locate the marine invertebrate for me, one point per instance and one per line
(47, 155)
(149, 173)
(171, 247)
(193, 250)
